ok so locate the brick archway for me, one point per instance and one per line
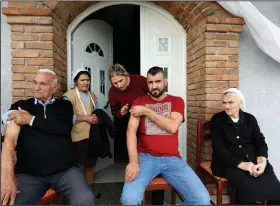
(38, 34)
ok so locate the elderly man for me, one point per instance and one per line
(158, 117)
(39, 129)
(240, 152)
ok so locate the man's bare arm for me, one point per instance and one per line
(9, 146)
(131, 138)
(170, 124)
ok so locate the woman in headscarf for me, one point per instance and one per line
(84, 102)
(240, 152)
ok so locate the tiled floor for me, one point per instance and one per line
(113, 173)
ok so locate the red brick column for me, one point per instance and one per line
(31, 44)
(38, 34)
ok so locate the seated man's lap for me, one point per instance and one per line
(148, 170)
(69, 183)
(182, 177)
(30, 189)
(72, 185)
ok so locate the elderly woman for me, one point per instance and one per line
(240, 152)
(84, 102)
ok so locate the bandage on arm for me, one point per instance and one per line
(9, 145)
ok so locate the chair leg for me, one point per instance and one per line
(219, 193)
(144, 199)
(173, 197)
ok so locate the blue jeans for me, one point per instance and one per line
(175, 171)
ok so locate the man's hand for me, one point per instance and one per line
(20, 117)
(131, 172)
(8, 186)
(138, 111)
(92, 119)
(124, 110)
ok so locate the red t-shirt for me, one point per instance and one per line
(137, 87)
(153, 139)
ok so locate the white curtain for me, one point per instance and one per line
(264, 32)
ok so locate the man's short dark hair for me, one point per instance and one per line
(155, 70)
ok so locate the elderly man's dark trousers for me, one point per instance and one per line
(69, 183)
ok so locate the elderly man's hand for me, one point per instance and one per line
(8, 186)
(138, 111)
(20, 117)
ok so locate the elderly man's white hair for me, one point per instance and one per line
(49, 72)
(238, 93)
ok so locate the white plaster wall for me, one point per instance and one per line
(260, 83)
(6, 73)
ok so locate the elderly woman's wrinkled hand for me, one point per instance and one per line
(92, 119)
(246, 166)
(259, 168)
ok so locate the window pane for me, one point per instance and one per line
(88, 49)
(163, 44)
(102, 81)
(97, 48)
(165, 70)
(101, 53)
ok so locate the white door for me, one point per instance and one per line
(163, 44)
(92, 46)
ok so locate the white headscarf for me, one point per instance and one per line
(74, 74)
(238, 92)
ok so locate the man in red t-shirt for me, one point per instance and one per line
(158, 117)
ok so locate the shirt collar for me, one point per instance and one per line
(46, 103)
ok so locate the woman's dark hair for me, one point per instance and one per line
(80, 73)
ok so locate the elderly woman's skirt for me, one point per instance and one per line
(250, 189)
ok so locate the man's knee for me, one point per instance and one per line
(82, 198)
(201, 197)
(131, 197)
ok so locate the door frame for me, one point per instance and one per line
(100, 5)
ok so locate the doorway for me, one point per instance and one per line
(125, 20)
(144, 35)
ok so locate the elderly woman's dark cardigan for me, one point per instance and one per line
(234, 143)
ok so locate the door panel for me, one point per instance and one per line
(92, 49)
(162, 44)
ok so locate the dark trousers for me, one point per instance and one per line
(120, 147)
(70, 184)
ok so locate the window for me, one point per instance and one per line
(163, 44)
(89, 70)
(94, 48)
(102, 81)
(165, 70)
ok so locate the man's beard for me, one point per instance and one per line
(158, 94)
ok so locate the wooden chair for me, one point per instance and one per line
(203, 168)
(159, 183)
(49, 196)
